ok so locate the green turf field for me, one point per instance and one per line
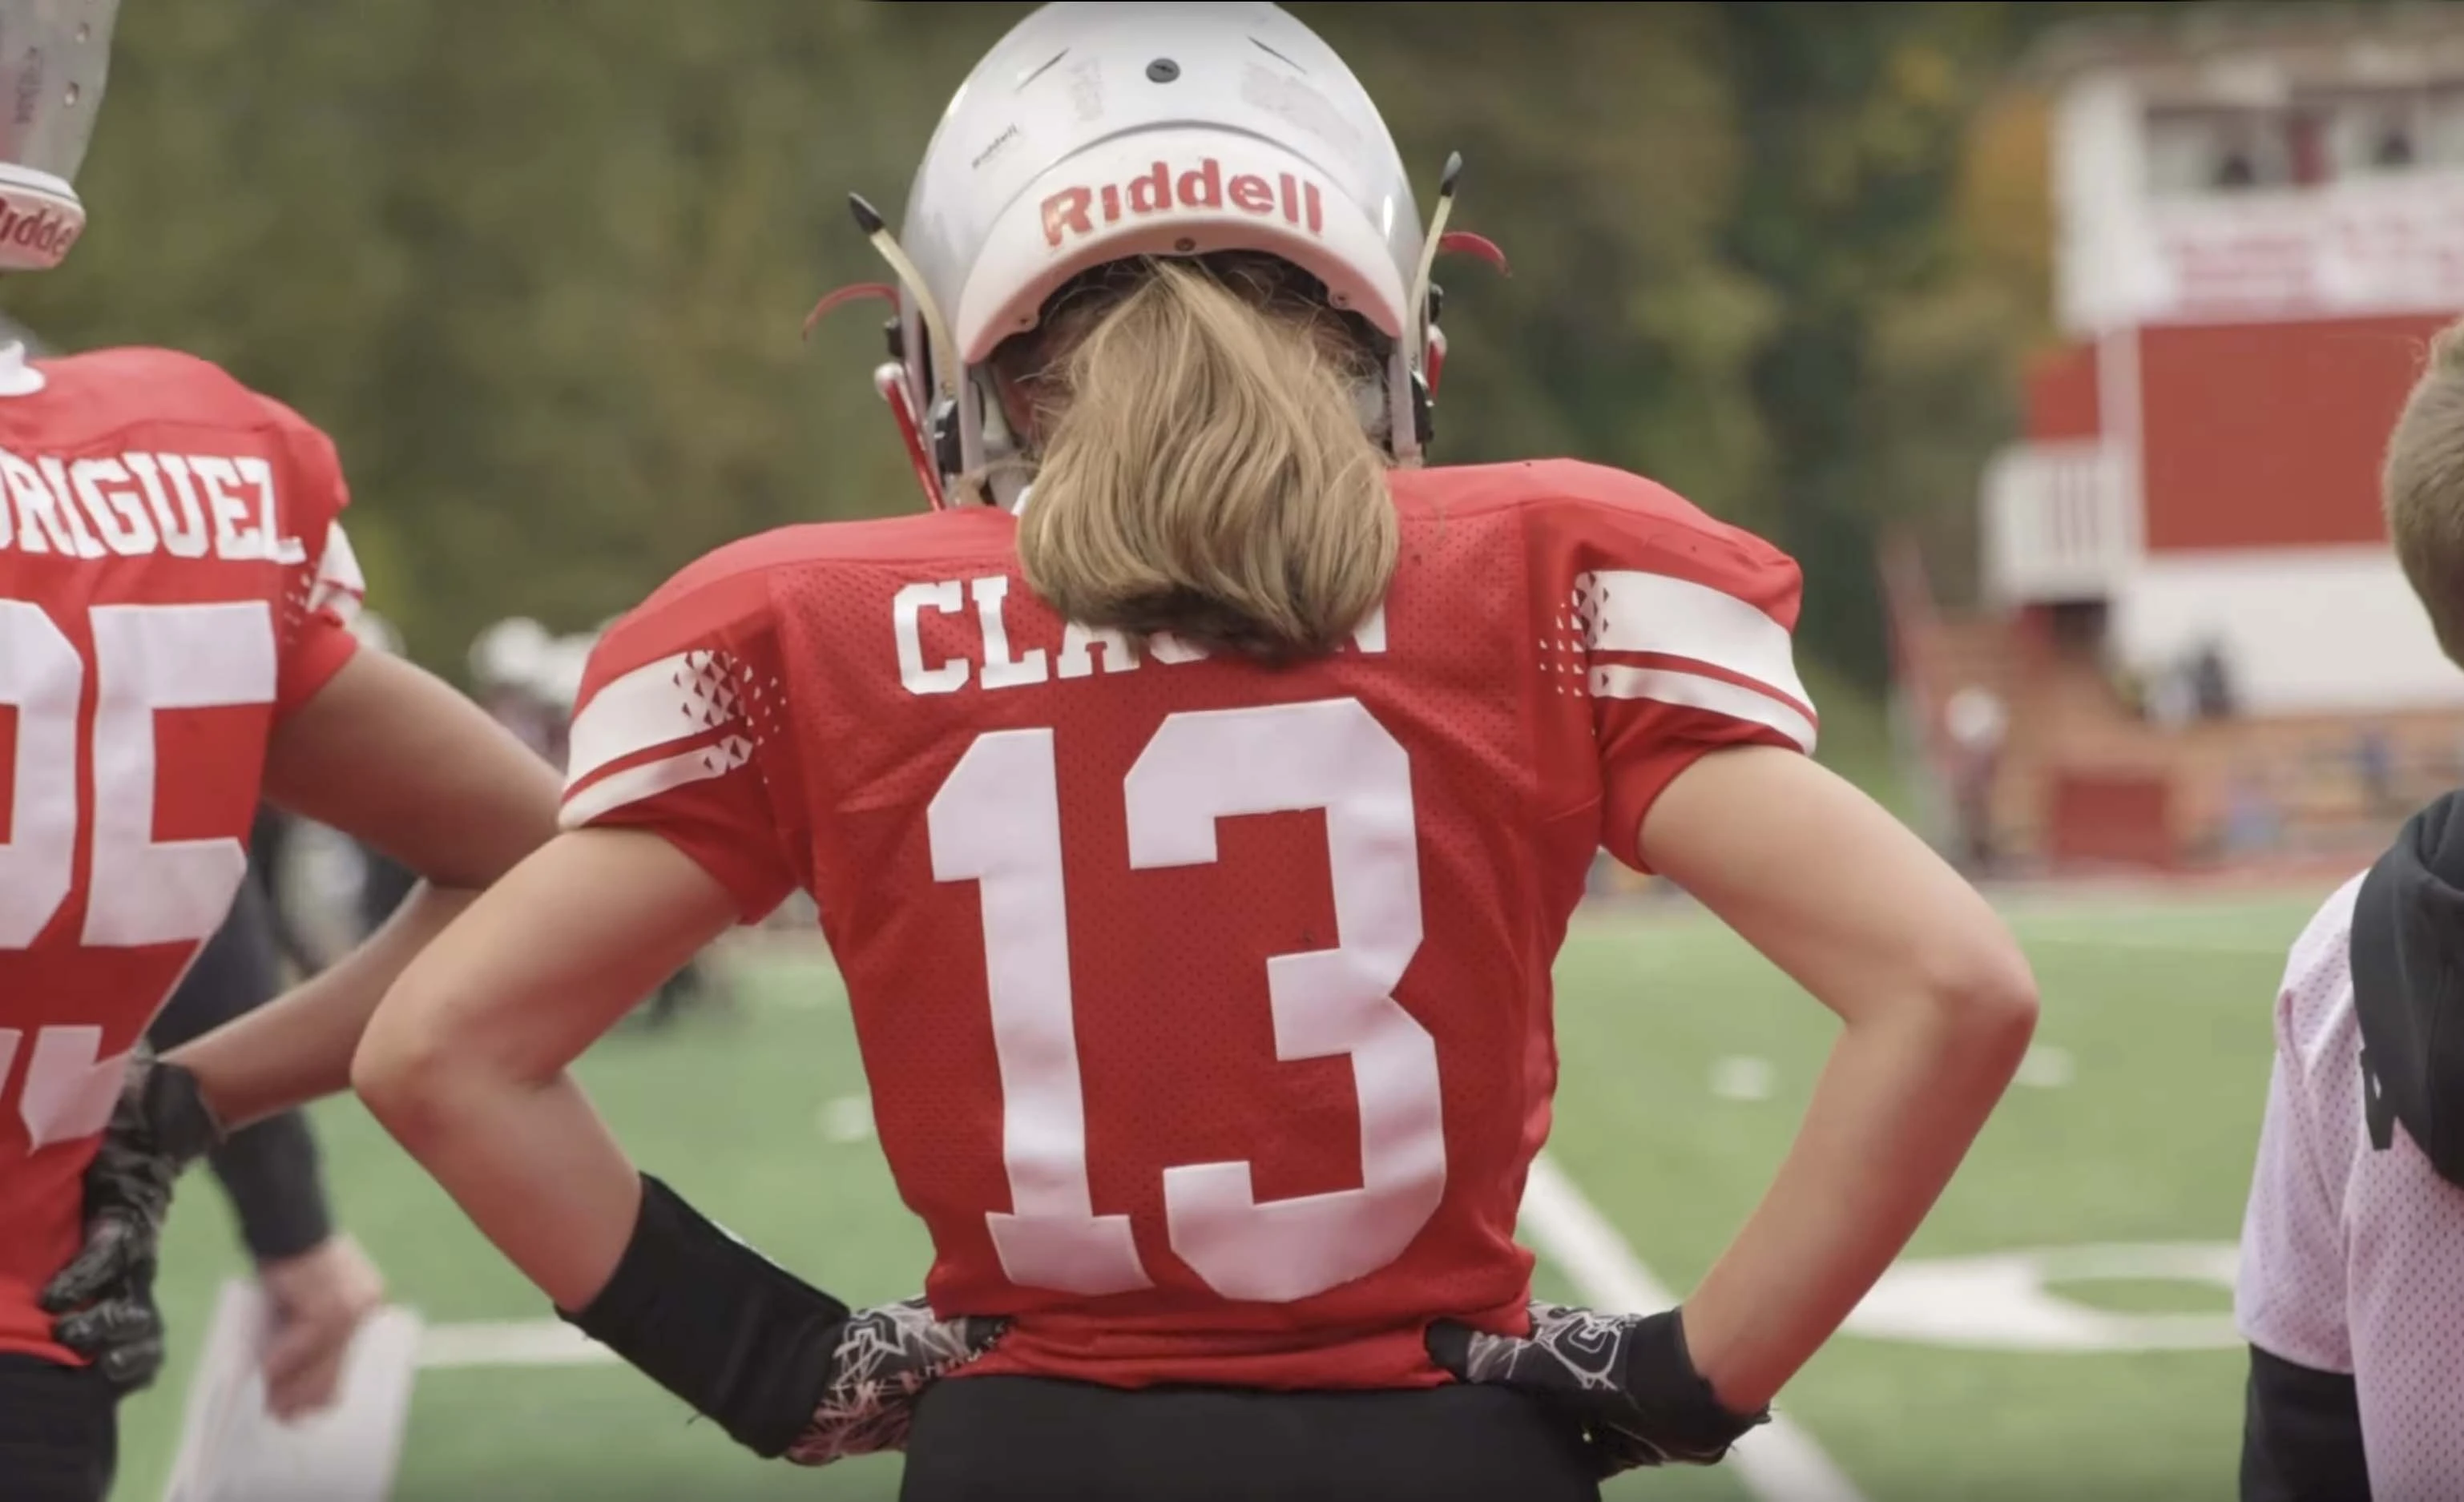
(1687, 1061)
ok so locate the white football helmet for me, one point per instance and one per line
(53, 56)
(511, 654)
(1098, 132)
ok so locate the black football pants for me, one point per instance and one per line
(59, 1436)
(1024, 1439)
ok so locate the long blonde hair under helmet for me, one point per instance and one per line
(1201, 462)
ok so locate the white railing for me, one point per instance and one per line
(2058, 522)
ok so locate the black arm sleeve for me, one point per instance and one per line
(268, 1170)
(745, 1341)
(2301, 1435)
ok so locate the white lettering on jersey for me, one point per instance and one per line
(140, 504)
(905, 610)
(55, 475)
(1000, 669)
(119, 512)
(993, 661)
(234, 537)
(183, 532)
(1120, 653)
(258, 476)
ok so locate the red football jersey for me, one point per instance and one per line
(1205, 1005)
(171, 580)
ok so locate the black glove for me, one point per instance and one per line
(884, 1359)
(1626, 1379)
(105, 1299)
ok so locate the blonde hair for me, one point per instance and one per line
(1203, 466)
(2423, 486)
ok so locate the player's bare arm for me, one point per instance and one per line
(1938, 1006)
(389, 754)
(465, 1064)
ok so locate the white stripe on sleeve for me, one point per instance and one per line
(1626, 610)
(338, 587)
(1696, 692)
(651, 779)
(673, 699)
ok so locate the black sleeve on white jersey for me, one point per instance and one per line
(2301, 1435)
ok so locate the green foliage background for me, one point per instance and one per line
(539, 265)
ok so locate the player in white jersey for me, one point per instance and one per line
(2352, 1278)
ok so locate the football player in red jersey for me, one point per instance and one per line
(174, 642)
(1194, 826)
(173, 595)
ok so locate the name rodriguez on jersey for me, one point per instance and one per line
(141, 504)
(994, 663)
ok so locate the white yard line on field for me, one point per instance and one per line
(2181, 943)
(1779, 1462)
(510, 1343)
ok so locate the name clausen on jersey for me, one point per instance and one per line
(997, 662)
(141, 504)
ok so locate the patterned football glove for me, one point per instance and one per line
(884, 1359)
(105, 1299)
(1626, 1379)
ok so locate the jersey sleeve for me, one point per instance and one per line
(2403, 1309)
(2289, 1301)
(327, 590)
(679, 730)
(1685, 626)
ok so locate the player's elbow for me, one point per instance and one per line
(405, 1069)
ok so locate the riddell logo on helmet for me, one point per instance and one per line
(42, 230)
(1081, 210)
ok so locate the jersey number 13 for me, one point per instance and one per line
(996, 821)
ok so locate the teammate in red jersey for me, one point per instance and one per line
(1195, 828)
(173, 590)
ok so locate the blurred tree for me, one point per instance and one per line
(1602, 153)
(1880, 383)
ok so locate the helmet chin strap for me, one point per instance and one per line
(928, 433)
(1411, 380)
(945, 367)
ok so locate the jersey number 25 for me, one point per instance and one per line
(139, 890)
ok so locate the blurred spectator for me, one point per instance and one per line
(510, 663)
(1977, 723)
(2172, 698)
(2252, 824)
(2211, 684)
(2374, 764)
